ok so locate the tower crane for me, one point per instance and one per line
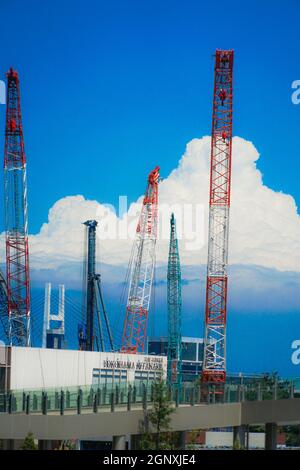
(214, 365)
(141, 272)
(174, 309)
(16, 222)
(90, 333)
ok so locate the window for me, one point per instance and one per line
(2, 378)
(141, 376)
(145, 376)
(200, 352)
(158, 348)
(103, 376)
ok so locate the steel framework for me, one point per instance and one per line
(141, 272)
(214, 367)
(4, 325)
(16, 224)
(174, 309)
(90, 334)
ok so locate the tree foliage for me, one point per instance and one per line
(156, 426)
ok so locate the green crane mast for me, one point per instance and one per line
(174, 309)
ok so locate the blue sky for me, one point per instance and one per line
(111, 89)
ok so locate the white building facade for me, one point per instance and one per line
(41, 368)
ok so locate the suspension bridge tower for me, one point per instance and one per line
(174, 309)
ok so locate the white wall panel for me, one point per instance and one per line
(33, 368)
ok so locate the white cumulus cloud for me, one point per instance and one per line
(264, 224)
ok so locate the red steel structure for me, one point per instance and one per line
(141, 272)
(214, 365)
(16, 225)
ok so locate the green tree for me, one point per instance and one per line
(29, 443)
(156, 426)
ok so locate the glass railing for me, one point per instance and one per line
(109, 396)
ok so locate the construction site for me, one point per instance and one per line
(116, 365)
(94, 333)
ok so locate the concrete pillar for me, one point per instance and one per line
(78, 444)
(119, 443)
(247, 437)
(271, 436)
(239, 436)
(182, 439)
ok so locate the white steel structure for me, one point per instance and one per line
(48, 316)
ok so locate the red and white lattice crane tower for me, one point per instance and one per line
(214, 365)
(16, 224)
(141, 272)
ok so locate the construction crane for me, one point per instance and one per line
(214, 365)
(16, 223)
(4, 326)
(141, 271)
(174, 309)
(53, 337)
(90, 333)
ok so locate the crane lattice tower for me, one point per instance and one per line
(142, 269)
(214, 366)
(16, 221)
